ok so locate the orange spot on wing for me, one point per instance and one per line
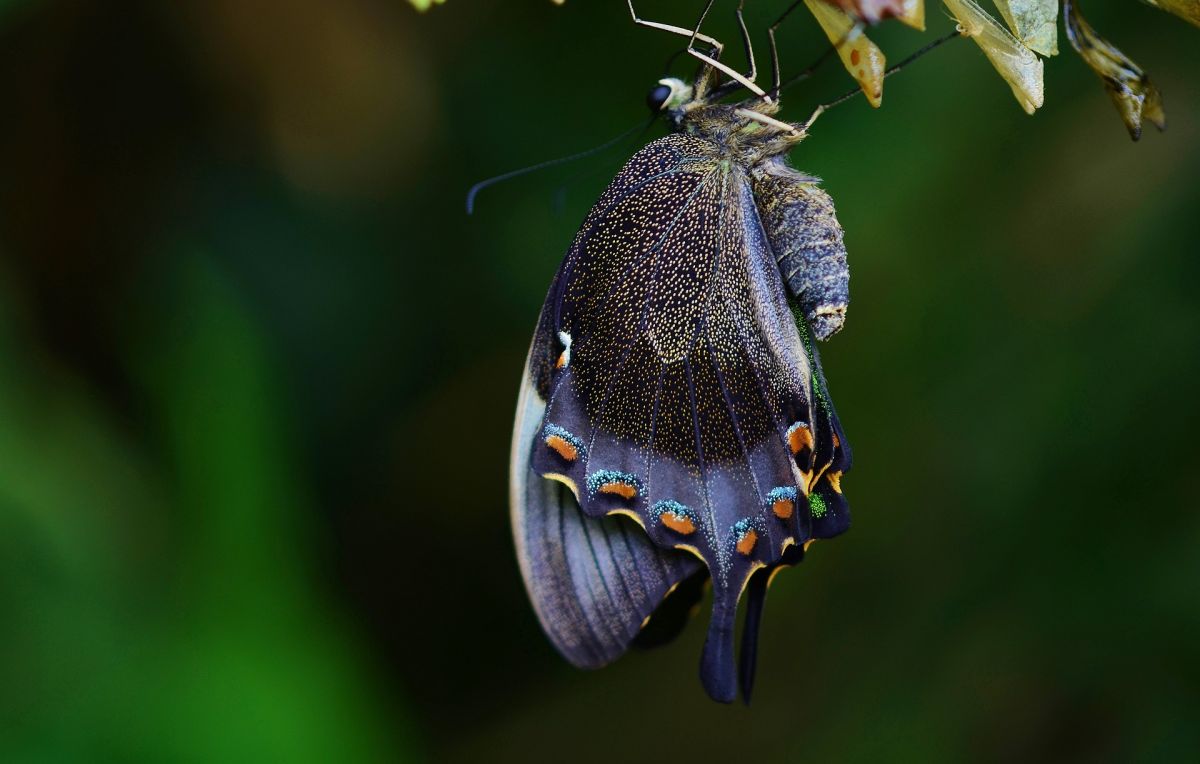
(746, 543)
(678, 523)
(783, 508)
(563, 447)
(562, 360)
(854, 57)
(800, 438)
(624, 490)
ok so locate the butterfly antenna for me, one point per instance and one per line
(746, 42)
(776, 74)
(560, 193)
(809, 70)
(475, 189)
(903, 64)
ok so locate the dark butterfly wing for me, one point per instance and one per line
(677, 389)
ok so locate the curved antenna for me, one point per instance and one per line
(848, 95)
(671, 61)
(475, 189)
(776, 73)
(809, 70)
(746, 42)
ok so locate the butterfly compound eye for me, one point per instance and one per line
(656, 99)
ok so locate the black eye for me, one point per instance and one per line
(658, 97)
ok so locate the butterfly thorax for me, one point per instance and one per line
(734, 131)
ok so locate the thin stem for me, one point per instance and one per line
(847, 96)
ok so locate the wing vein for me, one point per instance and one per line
(703, 467)
(598, 308)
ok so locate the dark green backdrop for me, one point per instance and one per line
(257, 372)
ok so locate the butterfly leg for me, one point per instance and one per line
(753, 74)
(693, 35)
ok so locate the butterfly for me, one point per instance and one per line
(673, 424)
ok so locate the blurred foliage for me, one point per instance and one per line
(258, 374)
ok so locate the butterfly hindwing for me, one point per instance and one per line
(594, 582)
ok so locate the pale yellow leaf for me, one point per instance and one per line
(913, 14)
(1034, 22)
(1018, 65)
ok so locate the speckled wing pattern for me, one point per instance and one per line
(670, 381)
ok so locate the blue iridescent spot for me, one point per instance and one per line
(783, 493)
(742, 527)
(614, 482)
(672, 506)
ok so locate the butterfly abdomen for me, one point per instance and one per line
(804, 232)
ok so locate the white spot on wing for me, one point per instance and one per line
(565, 339)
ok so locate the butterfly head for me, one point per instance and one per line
(748, 128)
(670, 94)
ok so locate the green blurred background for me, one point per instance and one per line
(257, 373)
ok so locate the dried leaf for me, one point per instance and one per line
(871, 11)
(1017, 64)
(913, 14)
(1188, 10)
(1034, 22)
(1132, 93)
(861, 57)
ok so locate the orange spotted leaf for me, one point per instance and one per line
(862, 58)
(1018, 65)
